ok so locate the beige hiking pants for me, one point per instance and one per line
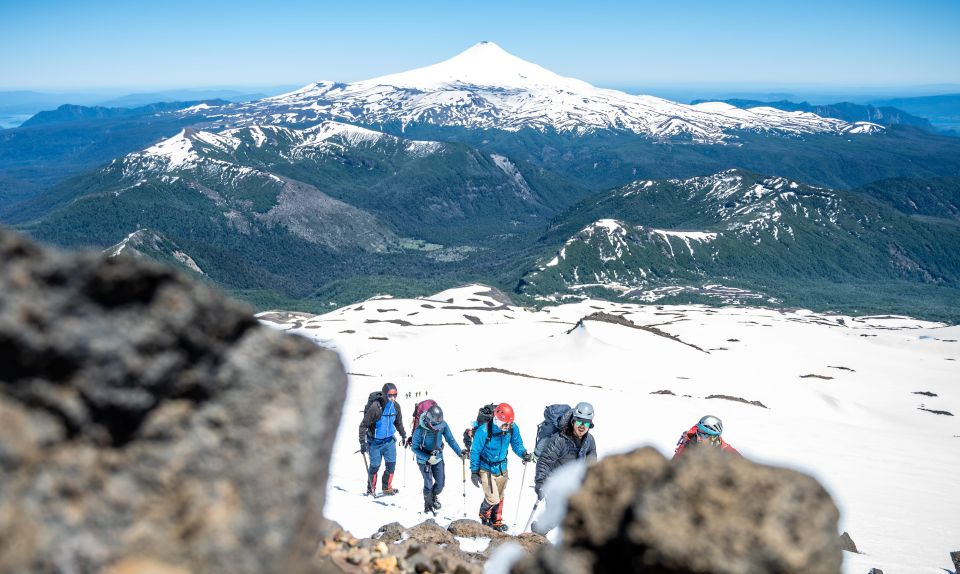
(493, 486)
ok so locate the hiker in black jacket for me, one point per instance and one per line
(381, 417)
(573, 442)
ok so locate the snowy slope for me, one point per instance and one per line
(838, 397)
(189, 149)
(487, 88)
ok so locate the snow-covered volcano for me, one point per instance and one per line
(485, 87)
(861, 403)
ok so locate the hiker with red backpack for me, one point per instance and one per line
(381, 418)
(495, 433)
(429, 433)
(706, 433)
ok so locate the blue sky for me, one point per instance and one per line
(46, 44)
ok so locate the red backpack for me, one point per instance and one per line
(419, 409)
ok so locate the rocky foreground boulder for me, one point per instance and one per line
(426, 547)
(706, 512)
(149, 424)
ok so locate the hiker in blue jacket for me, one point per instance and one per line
(427, 444)
(488, 462)
(381, 419)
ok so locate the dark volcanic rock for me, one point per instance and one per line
(640, 512)
(847, 544)
(955, 556)
(145, 419)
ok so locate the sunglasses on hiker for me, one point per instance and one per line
(709, 437)
(582, 423)
(391, 395)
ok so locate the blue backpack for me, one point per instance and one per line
(550, 427)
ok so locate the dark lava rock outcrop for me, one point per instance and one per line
(146, 422)
(426, 547)
(707, 512)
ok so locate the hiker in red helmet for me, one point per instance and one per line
(705, 433)
(491, 442)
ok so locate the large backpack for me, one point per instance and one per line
(484, 417)
(419, 409)
(373, 398)
(550, 427)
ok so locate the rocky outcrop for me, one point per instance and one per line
(847, 544)
(426, 547)
(707, 512)
(149, 424)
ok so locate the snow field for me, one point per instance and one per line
(854, 424)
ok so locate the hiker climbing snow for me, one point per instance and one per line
(381, 418)
(572, 441)
(496, 432)
(562, 437)
(429, 434)
(705, 433)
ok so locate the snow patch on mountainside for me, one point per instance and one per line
(176, 151)
(189, 149)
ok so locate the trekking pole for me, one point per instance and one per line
(366, 468)
(463, 467)
(520, 496)
(532, 512)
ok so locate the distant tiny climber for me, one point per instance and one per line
(380, 418)
(705, 433)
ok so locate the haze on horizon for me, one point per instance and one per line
(64, 45)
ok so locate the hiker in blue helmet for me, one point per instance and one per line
(380, 419)
(706, 433)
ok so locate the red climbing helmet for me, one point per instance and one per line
(503, 413)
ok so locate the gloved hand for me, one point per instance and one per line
(407, 442)
(475, 479)
(364, 448)
(528, 457)
(434, 459)
(465, 454)
(403, 441)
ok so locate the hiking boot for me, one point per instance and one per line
(436, 502)
(499, 526)
(428, 502)
(389, 491)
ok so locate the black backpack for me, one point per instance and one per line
(550, 427)
(484, 417)
(374, 397)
